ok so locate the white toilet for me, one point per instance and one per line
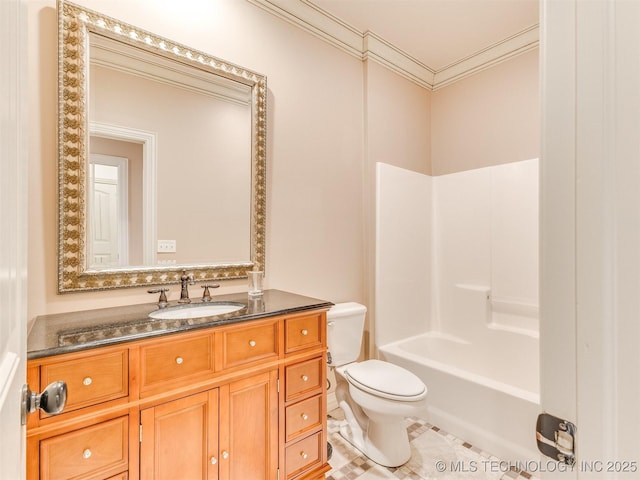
(374, 395)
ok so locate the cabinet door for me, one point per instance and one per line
(249, 428)
(180, 439)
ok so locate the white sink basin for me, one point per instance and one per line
(195, 310)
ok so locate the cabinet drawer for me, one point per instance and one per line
(121, 476)
(303, 332)
(303, 455)
(99, 451)
(175, 360)
(90, 380)
(242, 345)
(302, 378)
(302, 417)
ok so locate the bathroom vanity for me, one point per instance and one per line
(240, 395)
(236, 393)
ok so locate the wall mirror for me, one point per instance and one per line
(161, 157)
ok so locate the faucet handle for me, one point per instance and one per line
(162, 301)
(206, 295)
(188, 277)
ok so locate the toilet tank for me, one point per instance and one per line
(345, 324)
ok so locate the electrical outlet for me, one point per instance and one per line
(166, 246)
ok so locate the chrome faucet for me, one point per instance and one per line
(185, 281)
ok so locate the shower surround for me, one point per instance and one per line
(457, 297)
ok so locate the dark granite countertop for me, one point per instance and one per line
(70, 332)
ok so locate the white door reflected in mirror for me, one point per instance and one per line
(108, 211)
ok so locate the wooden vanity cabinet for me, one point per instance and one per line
(240, 401)
(304, 397)
(177, 438)
(249, 432)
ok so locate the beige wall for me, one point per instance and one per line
(314, 179)
(331, 117)
(398, 119)
(490, 118)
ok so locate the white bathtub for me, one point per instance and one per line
(486, 393)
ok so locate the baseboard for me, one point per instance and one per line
(332, 402)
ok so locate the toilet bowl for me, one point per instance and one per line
(375, 395)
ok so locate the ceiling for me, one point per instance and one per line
(436, 32)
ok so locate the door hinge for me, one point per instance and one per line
(556, 438)
(278, 471)
(140, 433)
(278, 384)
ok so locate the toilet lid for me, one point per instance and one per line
(386, 380)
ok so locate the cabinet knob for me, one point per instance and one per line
(86, 453)
(304, 455)
(252, 343)
(86, 381)
(225, 454)
(179, 360)
(213, 460)
(305, 416)
(304, 378)
(305, 332)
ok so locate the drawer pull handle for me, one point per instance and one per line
(305, 332)
(213, 460)
(86, 381)
(305, 416)
(304, 455)
(225, 454)
(179, 360)
(252, 343)
(86, 453)
(304, 378)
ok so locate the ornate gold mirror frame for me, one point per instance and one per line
(75, 23)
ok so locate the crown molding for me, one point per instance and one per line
(369, 46)
(122, 57)
(521, 42)
(379, 50)
(316, 21)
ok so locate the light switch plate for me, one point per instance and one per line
(166, 246)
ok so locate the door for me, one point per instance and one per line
(109, 211)
(249, 428)
(590, 231)
(104, 225)
(13, 235)
(179, 439)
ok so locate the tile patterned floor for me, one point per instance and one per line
(435, 455)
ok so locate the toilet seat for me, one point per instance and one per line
(386, 380)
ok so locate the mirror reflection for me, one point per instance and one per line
(162, 158)
(187, 201)
(110, 244)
